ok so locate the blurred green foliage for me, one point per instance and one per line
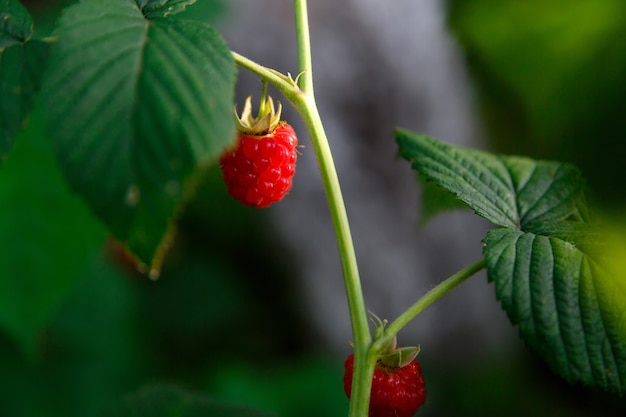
(518, 387)
(308, 386)
(551, 81)
(162, 400)
(37, 214)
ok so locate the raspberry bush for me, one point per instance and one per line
(138, 105)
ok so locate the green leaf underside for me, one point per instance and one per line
(549, 266)
(508, 191)
(16, 25)
(135, 108)
(171, 401)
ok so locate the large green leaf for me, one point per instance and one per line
(507, 191)
(136, 107)
(22, 61)
(47, 236)
(569, 309)
(552, 272)
(171, 401)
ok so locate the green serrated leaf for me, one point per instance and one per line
(589, 239)
(136, 108)
(21, 70)
(161, 8)
(16, 25)
(549, 267)
(545, 191)
(172, 401)
(569, 309)
(506, 190)
(47, 234)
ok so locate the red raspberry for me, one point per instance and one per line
(396, 392)
(259, 170)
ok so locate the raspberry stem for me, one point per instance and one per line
(364, 357)
(306, 105)
(366, 350)
(302, 98)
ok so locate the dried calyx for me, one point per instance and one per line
(264, 122)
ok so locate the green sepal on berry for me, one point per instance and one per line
(398, 357)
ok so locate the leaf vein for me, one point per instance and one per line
(493, 198)
(93, 79)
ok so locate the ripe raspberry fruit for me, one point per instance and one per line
(258, 171)
(396, 391)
